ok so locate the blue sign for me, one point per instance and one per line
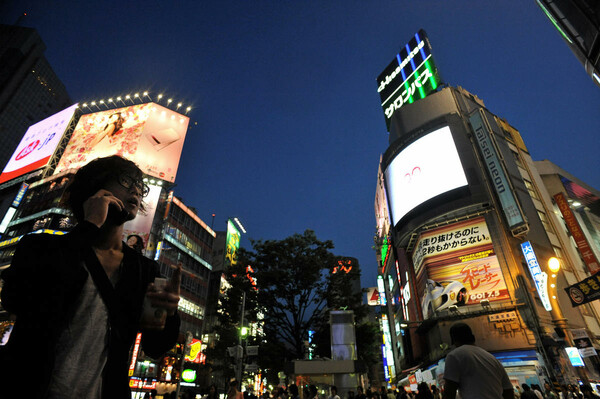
(20, 195)
(574, 357)
(540, 278)
(483, 136)
(385, 365)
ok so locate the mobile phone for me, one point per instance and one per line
(119, 216)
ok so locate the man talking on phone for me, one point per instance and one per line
(79, 298)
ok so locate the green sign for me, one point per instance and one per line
(232, 244)
(188, 375)
(412, 75)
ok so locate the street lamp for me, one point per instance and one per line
(554, 264)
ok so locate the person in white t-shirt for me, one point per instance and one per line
(473, 371)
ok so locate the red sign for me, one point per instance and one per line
(136, 348)
(583, 245)
(195, 351)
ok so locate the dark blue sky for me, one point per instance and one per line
(286, 124)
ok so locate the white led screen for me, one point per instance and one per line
(425, 169)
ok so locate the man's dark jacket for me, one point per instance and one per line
(41, 288)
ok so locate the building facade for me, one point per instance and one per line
(29, 89)
(465, 230)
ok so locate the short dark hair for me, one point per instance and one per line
(293, 389)
(461, 333)
(94, 176)
(333, 388)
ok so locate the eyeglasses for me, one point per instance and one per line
(128, 182)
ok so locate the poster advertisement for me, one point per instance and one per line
(459, 267)
(148, 134)
(38, 144)
(142, 224)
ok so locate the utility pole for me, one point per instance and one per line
(239, 350)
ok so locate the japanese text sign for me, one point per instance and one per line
(582, 341)
(412, 75)
(584, 291)
(540, 278)
(583, 245)
(450, 238)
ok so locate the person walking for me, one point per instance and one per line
(334, 394)
(80, 296)
(527, 392)
(424, 391)
(473, 371)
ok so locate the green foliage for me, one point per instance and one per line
(291, 275)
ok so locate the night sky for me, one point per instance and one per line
(286, 127)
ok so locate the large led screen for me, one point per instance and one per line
(425, 169)
(38, 145)
(148, 134)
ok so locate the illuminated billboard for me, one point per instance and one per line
(426, 168)
(232, 244)
(38, 145)
(142, 224)
(148, 134)
(457, 266)
(410, 76)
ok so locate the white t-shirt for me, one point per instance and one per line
(478, 373)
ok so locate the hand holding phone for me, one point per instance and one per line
(102, 206)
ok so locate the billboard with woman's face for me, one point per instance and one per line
(148, 134)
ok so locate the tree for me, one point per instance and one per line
(291, 277)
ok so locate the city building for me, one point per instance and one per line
(468, 229)
(578, 22)
(29, 89)
(34, 187)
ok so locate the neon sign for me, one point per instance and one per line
(540, 278)
(136, 349)
(411, 76)
(344, 265)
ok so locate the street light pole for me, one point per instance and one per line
(239, 353)
(558, 319)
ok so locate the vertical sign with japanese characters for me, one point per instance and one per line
(457, 265)
(412, 75)
(575, 229)
(540, 278)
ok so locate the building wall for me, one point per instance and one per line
(29, 88)
(530, 327)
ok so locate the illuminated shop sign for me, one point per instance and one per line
(412, 75)
(136, 349)
(232, 244)
(584, 291)
(343, 265)
(38, 145)
(17, 201)
(373, 296)
(589, 258)
(426, 168)
(381, 287)
(574, 357)
(387, 340)
(195, 351)
(540, 278)
(188, 375)
(484, 137)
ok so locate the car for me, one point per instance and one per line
(440, 295)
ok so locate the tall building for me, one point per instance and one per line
(578, 22)
(29, 89)
(465, 231)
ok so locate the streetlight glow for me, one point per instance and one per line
(554, 264)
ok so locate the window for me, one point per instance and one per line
(531, 189)
(545, 222)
